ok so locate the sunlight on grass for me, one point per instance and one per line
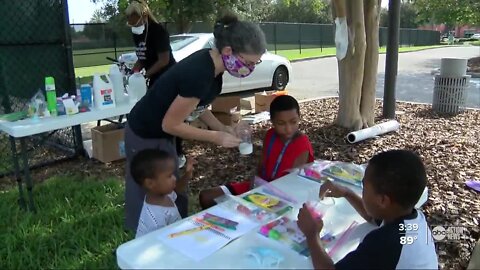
(89, 71)
(79, 224)
(295, 54)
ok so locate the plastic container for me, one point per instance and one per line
(137, 87)
(104, 97)
(86, 95)
(244, 133)
(51, 95)
(118, 88)
(60, 107)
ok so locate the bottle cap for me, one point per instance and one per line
(49, 80)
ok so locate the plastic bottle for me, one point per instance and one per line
(86, 95)
(103, 95)
(118, 88)
(244, 133)
(60, 107)
(51, 95)
(137, 87)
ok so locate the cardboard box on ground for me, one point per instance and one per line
(230, 109)
(108, 142)
(227, 109)
(264, 99)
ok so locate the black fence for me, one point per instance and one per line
(34, 44)
(92, 43)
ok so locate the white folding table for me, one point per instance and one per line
(148, 252)
(28, 127)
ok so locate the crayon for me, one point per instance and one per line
(189, 231)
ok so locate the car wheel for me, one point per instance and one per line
(280, 78)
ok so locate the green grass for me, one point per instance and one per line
(295, 54)
(475, 43)
(95, 57)
(89, 71)
(79, 224)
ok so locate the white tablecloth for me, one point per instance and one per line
(149, 252)
(28, 127)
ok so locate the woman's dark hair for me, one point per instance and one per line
(243, 37)
(283, 103)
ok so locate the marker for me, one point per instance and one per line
(204, 222)
(189, 231)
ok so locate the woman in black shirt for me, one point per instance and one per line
(153, 49)
(152, 41)
(184, 93)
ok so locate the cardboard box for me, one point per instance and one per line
(228, 119)
(108, 143)
(226, 104)
(198, 124)
(262, 102)
(247, 103)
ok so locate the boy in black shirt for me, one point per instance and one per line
(392, 185)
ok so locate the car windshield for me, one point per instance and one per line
(180, 42)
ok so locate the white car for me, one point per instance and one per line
(274, 72)
(476, 36)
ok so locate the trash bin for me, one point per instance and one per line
(449, 92)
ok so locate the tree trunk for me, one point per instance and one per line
(351, 68)
(372, 20)
(357, 72)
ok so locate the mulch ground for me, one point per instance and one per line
(474, 65)
(449, 147)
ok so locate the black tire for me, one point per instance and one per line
(280, 78)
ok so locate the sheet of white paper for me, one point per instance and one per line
(199, 245)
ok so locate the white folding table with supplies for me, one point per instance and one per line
(22, 129)
(148, 251)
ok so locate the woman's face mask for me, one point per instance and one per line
(138, 30)
(236, 67)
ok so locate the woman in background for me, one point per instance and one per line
(152, 42)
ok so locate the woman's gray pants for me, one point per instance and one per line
(135, 194)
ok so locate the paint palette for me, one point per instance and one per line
(247, 209)
(345, 172)
(268, 202)
(322, 170)
(287, 232)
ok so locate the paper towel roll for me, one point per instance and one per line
(370, 132)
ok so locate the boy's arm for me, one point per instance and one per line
(182, 183)
(187, 176)
(301, 160)
(357, 203)
(330, 189)
(320, 258)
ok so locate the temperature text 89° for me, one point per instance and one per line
(407, 240)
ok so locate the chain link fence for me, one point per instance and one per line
(34, 44)
(92, 43)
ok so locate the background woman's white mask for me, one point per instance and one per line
(138, 30)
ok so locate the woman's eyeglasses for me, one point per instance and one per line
(249, 63)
